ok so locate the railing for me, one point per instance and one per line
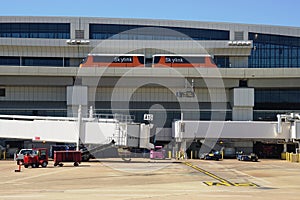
(117, 117)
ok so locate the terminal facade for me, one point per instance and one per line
(257, 74)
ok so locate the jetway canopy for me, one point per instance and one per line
(229, 129)
(44, 130)
(66, 129)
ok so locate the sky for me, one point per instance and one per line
(270, 12)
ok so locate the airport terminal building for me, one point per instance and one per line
(257, 74)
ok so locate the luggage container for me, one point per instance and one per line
(67, 156)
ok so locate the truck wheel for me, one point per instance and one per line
(26, 166)
(55, 164)
(60, 164)
(33, 165)
(76, 164)
(44, 164)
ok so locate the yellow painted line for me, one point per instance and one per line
(222, 181)
(246, 184)
(216, 184)
(225, 182)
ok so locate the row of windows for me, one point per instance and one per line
(274, 51)
(138, 32)
(35, 30)
(54, 113)
(34, 61)
(275, 39)
(277, 95)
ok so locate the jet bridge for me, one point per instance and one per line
(91, 131)
(231, 130)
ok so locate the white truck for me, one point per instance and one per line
(20, 156)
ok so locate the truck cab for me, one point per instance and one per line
(20, 156)
(38, 158)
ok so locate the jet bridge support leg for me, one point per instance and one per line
(182, 150)
(284, 147)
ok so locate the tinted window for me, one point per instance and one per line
(6, 60)
(156, 59)
(178, 59)
(114, 31)
(141, 59)
(2, 92)
(271, 51)
(277, 99)
(36, 61)
(222, 61)
(35, 30)
(113, 59)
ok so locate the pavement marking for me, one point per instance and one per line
(37, 176)
(222, 181)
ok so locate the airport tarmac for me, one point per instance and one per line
(153, 179)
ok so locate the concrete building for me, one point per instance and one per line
(257, 76)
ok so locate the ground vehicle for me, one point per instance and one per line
(67, 156)
(113, 60)
(86, 153)
(244, 157)
(158, 153)
(22, 153)
(213, 155)
(171, 60)
(38, 157)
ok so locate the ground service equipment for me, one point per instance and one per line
(157, 153)
(37, 158)
(67, 156)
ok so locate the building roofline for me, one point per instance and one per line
(149, 19)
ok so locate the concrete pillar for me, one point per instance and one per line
(284, 147)
(77, 95)
(242, 102)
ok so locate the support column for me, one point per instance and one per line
(284, 147)
(242, 103)
(77, 95)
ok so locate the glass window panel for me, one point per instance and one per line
(200, 34)
(35, 30)
(278, 50)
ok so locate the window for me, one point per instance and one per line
(118, 31)
(2, 92)
(243, 83)
(35, 30)
(222, 61)
(42, 61)
(274, 51)
(266, 99)
(7, 60)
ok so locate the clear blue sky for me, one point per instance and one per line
(273, 12)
